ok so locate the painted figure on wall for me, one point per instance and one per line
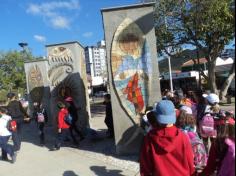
(61, 64)
(36, 86)
(131, 67)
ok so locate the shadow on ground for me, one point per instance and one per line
(102, 171)
(69, 173)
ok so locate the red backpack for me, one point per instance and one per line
(12, 125)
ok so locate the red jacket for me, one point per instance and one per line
(166, 152)
(61, 122)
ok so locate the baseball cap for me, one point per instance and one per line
(212, 98)
(165, 112)
(187, 109)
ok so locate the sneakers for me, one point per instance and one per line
(13, 158)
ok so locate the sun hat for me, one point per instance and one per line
(211, 98)
(187, 109)
(165, 112)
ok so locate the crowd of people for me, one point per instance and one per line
(185, 134)
(188, 134)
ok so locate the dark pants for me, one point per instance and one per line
(16, 136)
(61, 137)
(73, 127)
(109, 122)
(6, 148)
(41, 132)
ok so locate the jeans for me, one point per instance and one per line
(6, 148)
(41, 132)
(16, 136)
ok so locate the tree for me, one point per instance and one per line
(205, 25)
(12, 74)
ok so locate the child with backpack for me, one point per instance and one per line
(222, 152)
(40, 116)
(207, 122)
(187, 123)
(5, 134)
(62, 125)
(166, 150)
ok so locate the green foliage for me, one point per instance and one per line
(12, 74)
(207, 25)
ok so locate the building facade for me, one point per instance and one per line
(226, 53)
(95, 58)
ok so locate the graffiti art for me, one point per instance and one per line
(36, 86)
(131, 67)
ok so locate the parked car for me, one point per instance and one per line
(100, 94)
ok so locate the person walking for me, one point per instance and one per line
(5, 134)
(41, 118)
(73, 127)
(166, 150)
(109, 118)
(18, 113)
(62, 126)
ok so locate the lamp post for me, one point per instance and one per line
(23, 45)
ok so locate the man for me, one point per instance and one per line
(18, 113)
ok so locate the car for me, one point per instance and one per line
(100, 94)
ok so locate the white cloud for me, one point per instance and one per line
(60, 22)
(88, 34)
(40, 38)
(51, 11)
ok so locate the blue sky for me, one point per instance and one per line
(42, 22)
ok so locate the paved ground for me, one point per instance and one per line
(91, 158)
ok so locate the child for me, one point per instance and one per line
(62, 126)
(72, 109)
(187, 123)
(206, 125)
(222, 151)
(166, 150)
(5, 135)
(41, 118)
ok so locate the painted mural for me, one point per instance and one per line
(35, 83)
(131, 67)
(61, 64)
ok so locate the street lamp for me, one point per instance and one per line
(23, 45)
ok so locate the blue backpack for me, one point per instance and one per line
(68, 119)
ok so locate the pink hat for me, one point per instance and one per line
(69, 99)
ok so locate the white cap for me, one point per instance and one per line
(212, 98)
(187, 109)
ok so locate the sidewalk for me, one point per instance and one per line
(91, 158)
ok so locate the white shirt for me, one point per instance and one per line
(3, 125)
